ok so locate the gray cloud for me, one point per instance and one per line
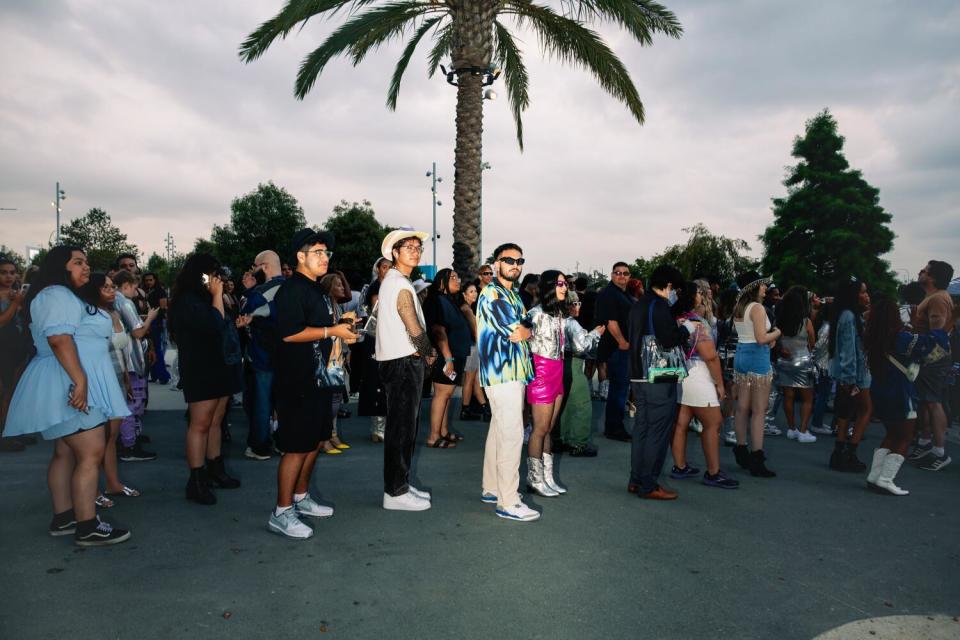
(145, 110)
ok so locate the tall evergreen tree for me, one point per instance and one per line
(830, 227)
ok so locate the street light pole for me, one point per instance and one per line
(58, 196)
(483, 167)
(436, 203)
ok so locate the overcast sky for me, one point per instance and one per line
(145, 110)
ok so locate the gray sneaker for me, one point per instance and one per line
(289, 525)
(933, 462)
(309, 507)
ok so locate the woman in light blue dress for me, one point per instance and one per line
(67, 392)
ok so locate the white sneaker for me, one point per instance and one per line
(792, 434)
(519, 512)
(309, 507)
(289, 525)
(695, 425)
(420, 493)
(822, 429)
(771, 430)
(730, 437)
(405, 502)
(806, 437)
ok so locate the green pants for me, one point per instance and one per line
(577, 416)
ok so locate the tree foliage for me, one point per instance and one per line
(703, 254)
(166, 270)
(96, 234)
(265, 218)
(357, 235)
(830, 227)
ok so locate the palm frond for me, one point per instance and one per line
(515, 77)
(443, 43)
(279, 26)
(570, 42)
(642, 18)
(394, 92)
(357, 36)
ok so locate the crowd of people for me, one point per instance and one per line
(294, 339)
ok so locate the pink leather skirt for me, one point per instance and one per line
(547, 384)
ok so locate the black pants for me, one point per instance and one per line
(652, 432)
(403, 383)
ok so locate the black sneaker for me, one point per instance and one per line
(100, 535)
(143, 439)
(721, 481)
(63, 524)
(681, 474)
(136, 453)
(582, 451)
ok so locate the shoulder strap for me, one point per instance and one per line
(650, 317)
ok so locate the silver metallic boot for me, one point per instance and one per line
(535, 481)
(548, 477)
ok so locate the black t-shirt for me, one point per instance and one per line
(588, 310)
(154, 296)
(299, 304)
(612, 304)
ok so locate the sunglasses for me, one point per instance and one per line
(621, 273)
(561, 284)
(513, 261)
(575, 304)
(486, 274)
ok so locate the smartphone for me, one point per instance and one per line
(205, 279)
(24, 288)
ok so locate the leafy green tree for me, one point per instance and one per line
(703, 254)
(357, 236)
(13, 256)
(166, 270)
(97, 235)
(479, 37)
(265, 218)
(830, 227)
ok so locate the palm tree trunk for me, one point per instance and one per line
(472, 47)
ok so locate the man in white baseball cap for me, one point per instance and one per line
(403, 352)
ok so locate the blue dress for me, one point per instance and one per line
(39, 403)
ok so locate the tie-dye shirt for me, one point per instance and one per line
(499, 312)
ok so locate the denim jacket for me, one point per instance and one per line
(849, 362)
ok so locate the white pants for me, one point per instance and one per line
(501, 456)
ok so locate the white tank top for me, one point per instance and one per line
(745, 327)
(392, 339)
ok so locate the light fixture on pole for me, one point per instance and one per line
(436, 203)
(171, 248)
(484, 166)
(58, 196)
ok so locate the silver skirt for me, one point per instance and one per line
(798, 372)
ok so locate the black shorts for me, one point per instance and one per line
(931, 384)
(844, 404)
(305, 418)
(439, 377)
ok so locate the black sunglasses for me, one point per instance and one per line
(513, 261)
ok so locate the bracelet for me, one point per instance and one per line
(448, 359)
(324, 333)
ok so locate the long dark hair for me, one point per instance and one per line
(190, 280)
(461, 298)
(547, 293)
(848, 299)
(728, 300)
(793, 310)
(880, 334)
(439, 287)
(686, 300)
(90, 292)
(53, 271)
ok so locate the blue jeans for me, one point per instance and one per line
(618, 377)
(821, 395)
(262, 409)
(159, 371)
(652, 432)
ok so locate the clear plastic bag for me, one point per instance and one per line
(660, 365)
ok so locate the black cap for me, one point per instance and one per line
(309, 236)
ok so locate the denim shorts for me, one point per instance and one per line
(752, 358)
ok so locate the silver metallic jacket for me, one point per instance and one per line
(550, 333)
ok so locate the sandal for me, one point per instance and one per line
(103, 501)
(442, 443)
(453, 437)
(126, 492)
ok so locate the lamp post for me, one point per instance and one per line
(58, 196)
(171, 247)
(484, 166)
(432, 174)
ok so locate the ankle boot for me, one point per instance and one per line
(197, 489)
(535, 481)
(742, 456)
(467, 413)
(850, 460)
(891, 465)
(217, 475)
(485, 412)
(837, 457)
(757, 467)
(548, 477)
(877, 465)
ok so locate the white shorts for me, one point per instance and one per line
(697, 390)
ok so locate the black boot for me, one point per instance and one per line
(837, 457)
(757, 467)
(850, 460)
(467, 413)
(742, 456)
(485, 412)
(197, 489)
(217, 475)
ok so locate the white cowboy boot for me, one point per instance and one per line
(891, 465)
(548, 474)
(875, 468)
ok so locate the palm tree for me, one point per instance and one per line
(477, 37)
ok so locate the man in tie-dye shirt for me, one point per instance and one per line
(505, 370)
